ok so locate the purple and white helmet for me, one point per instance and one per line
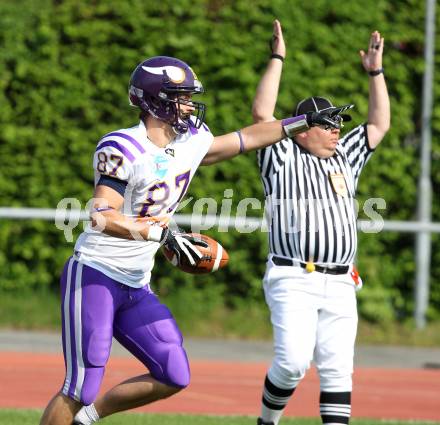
(155, 85)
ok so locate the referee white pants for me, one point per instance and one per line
(314, 317)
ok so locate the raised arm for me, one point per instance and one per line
(266, 95)
(379, 102)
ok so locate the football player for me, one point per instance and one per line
(141, 175)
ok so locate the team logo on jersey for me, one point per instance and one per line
(338, 184)
(169, 151)
(160, 165)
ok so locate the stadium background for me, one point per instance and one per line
(64, 68)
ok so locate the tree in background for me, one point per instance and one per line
(63, 66)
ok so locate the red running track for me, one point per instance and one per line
(29, 380)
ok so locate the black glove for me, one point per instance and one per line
(321, 118)
(183, 245)
(331, 117)
(337, 111)
(336, 114)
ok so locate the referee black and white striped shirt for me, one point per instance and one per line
(310, 201)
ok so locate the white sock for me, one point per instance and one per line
(87, 415)
(270, 415)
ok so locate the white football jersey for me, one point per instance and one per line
(157, 179)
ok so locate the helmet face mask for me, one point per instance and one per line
(183, 118)
(157, 86)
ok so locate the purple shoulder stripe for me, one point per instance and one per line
(119, 147)
(192, 128)
(206, 127)
(132, 140)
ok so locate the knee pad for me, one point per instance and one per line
(174, 367)
(168, 362)
(85, 367)
(85, 385)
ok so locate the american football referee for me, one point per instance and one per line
(310, 283)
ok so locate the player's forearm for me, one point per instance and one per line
(115, 224)
(263, 107)
(259, 136)
(254, 137)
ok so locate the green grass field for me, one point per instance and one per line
(31, 417)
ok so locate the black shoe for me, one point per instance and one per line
(261, 422)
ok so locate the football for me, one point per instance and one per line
(214, 257)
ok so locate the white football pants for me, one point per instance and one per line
(314, 317)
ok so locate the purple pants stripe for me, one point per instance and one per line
(77, 302)
(73, 331)
(67, 331)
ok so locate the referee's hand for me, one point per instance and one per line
(277, 44)
(372, 58)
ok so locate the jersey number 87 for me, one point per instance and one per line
(159, 204)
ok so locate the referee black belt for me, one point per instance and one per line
(280, 261)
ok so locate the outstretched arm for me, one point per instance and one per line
(266, 95)
(260, 135)
(379, 102)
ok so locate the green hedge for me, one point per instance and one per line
(64, 68)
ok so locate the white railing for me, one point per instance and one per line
(211, 221)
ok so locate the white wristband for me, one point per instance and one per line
(295, 125)
(155, 233)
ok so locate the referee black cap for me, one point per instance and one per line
(316, 104)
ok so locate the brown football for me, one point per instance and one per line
(214, 257)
